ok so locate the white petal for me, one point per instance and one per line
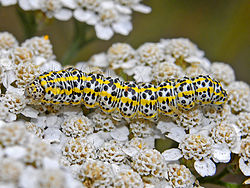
(203, 62)
(35, 4)
(93, 18)
(142, 8)
(221, 153)
(40, 121)
(11, 117)
(237, 147)
(247, 181)
(15, 152)
(71, 110)
(8, 185)
(122, 27)
(63, 14)
(69, 3)
(25, 4)
(173, 154)
(130, 64)
(95, 139)
(8, 2)
(205, 167)
(173, 131)
(130, 151)
(120, 134)
(51, 66)
(49, 163)
(85, 16)
(105, 135)
(104, 33)
(30, 112)
(25, 180)
(83, 66)
(52, 135)
(71, 182)
(107, 4)
(9, 77)
(99, 60)
(52, 121)
(39, 60)
(245, 169)
(81, 15)
(143, 73)
(1, 153)
(123, 9)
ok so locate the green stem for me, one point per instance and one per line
(216, 180)
(79, 41)
(28, 21)
(213, 178)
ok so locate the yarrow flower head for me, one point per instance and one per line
(141, 128)
(7, 41)
(102, 121)
(149, 162)
(181, 48)
(196, 146)
(40, 46)
(166, 70)
(189, 119)
(94, 173)
(78, 150)
(111, 152)
(37, 150)
(77, 126)
(179, 176)
(108, 16)
(150, 54)
(225, 133)
(128, 178)
(12, 134)
(23, 55)
(239, 95)
(223, 72)
(14, 100)
(10, 170)
(245, 150)
(51, 178)
(244, 162)
(121, 55)
(243, 122)
(25, 73)
(34, 129)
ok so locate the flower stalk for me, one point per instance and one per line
(79, 41)
(29, 23)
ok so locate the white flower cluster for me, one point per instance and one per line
(19, 64)
(167, 59)
(23, 155)
(107, 16)
(104, 150)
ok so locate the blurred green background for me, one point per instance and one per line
(219, 27)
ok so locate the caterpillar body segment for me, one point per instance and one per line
(72, 86)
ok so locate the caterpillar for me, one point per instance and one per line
(72, 86)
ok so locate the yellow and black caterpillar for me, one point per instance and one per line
(72, 86)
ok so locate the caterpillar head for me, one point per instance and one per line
(219, 95)
(35, 91)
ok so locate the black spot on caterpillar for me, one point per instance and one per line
(72, 86)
